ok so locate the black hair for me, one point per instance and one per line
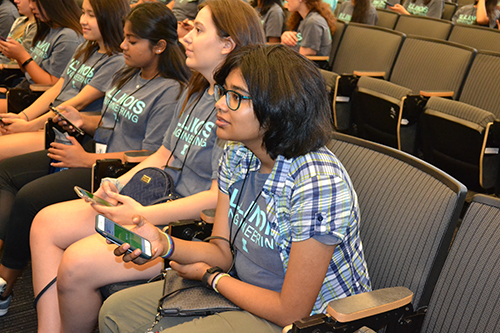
(57, 13)
(110, 15)
(154, 21)
(265, 5)
(289, 98)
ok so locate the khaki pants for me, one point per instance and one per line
(134, 309)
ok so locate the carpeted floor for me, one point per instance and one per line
(21, 316)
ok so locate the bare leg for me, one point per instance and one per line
(54, 229)
(86, 266)
(21, 143)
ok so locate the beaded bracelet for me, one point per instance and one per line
(170, 244)
(216, 280)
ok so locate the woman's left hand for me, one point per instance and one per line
(13, 49)
(69, 156)
(123, 212)
(193, 271)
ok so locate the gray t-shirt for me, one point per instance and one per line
(313, 32)
(141, 114)
(346, 10)
(54, 52)
(8, 14)
(97, 71)
(468, 14)
(26, 38)
(433, 9)
(258, 261)
(273, 21)
(192, 138)
(186, 9)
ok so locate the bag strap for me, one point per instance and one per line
(40, 294)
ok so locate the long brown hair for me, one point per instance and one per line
(318, 6)
(110, 15)
(57, 13)
(235, 19)
(359, 11)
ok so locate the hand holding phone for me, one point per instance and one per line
(84, 194)
(75, 128)
(119, 235)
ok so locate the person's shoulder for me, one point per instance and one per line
(318, 162)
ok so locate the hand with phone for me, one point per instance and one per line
(68, 118)
(10, 125)
(146, 230)
(92, 198)
(125, 207)
(11, 48)
(398, 8)
(121, 236)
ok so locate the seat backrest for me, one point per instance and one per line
(424, 26)
(466, 295)
(449, 10)
(432, 65)
(387, 18)
(481, 87)
(367, 48)
(461, 3)
(409, 210)
(462, 140)
(340, 29)
(480, 38)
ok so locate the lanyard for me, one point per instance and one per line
(76, 72)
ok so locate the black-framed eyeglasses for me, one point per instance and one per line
(233, 98)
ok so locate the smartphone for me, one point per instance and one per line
(76, 128)
(93, 198)
(2, 38)
(119, 235)
(389, 4)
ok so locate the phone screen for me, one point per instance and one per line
(94, 198)
(120, 235)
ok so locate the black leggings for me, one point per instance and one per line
(26, 187)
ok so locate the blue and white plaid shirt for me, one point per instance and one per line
(308, 196)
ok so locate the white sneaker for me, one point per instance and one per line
(4, 305)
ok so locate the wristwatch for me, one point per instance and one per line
(207, 274)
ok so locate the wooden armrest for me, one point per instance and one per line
(40, 87)
(317, 58)
(369, 304)
(208, 215)
(11, 66)
(136, 156)
(436, 93)
(373, 74)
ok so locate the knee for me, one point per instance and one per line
(41, 228)
(75, 269)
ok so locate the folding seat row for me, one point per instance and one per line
(415, 68)
(410, 211)
(478, 37)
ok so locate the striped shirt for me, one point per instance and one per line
(310, 196)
